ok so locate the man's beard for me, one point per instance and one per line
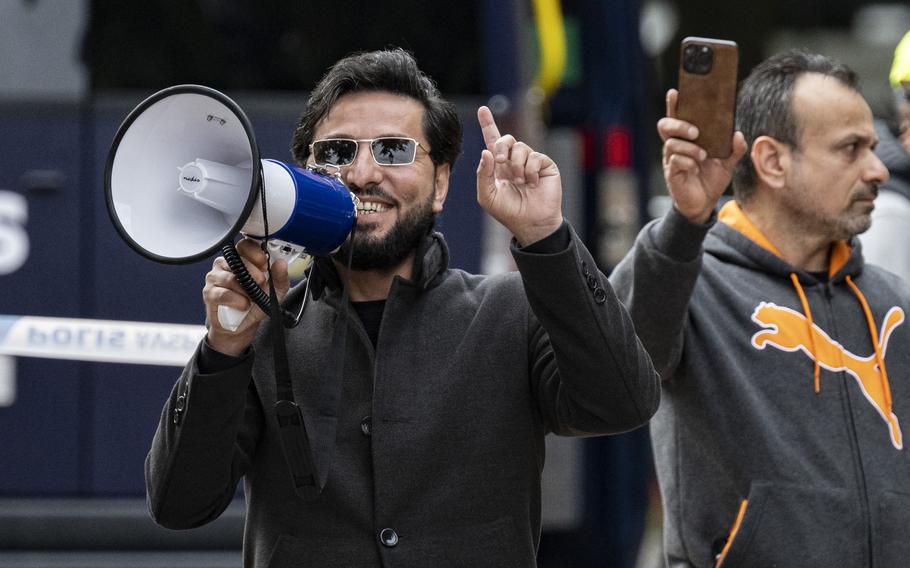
(370, 253)
(813, 219)
(861, 223)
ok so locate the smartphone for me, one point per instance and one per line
(707, 91)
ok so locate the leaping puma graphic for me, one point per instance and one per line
(786, 330)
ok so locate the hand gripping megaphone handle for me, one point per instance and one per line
(231, 318)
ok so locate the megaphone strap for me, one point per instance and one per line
(292, 428)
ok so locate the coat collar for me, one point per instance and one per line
(430, 261)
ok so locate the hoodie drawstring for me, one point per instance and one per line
(883, 373)
(732, 215)
(808, 313)
(873, 333)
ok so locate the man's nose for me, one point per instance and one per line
(876, 172)
(363, 171)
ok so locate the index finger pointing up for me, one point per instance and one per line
(488, 126)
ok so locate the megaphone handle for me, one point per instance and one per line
(231, 318)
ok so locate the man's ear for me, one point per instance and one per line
(441, 175)
(771, 159)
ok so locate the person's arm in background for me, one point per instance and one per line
(656, 278)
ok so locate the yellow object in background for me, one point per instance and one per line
(551, 35)
(900, 68)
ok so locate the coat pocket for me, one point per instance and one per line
(892, 546)
(325, 552)
(495, 544)
(793, 525)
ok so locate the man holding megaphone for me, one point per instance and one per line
(424, 392)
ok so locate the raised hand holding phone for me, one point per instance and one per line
(697, 175)
(707, 91)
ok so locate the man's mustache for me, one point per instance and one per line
(867, 192)
(372, 191)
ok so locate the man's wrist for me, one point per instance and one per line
(527, 236)
(230, 344)
(212, 360)
(679, 237)
(556, 241)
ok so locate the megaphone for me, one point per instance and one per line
(184, 177)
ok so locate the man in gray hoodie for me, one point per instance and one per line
(784, 358)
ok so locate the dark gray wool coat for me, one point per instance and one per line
(439, 441)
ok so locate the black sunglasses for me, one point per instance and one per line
(386, 151)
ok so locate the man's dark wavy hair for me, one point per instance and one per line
(393, 71)
(765, 105)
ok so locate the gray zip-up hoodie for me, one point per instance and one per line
(774, 445)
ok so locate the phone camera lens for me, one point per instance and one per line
(698, 59)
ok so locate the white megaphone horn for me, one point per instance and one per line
(184, 178)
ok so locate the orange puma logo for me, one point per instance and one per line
(786, 330)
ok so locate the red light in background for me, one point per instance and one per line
(617, 147)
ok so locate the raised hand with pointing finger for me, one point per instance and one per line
(516, 185)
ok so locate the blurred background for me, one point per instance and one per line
(583, 80)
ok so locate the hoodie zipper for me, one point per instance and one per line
(859, 470)
(732, 215)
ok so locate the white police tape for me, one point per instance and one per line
(99, 340)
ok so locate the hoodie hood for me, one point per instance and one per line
(737, 240)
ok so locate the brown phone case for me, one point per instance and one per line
(707, 91)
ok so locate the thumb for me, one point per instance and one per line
(485, 178)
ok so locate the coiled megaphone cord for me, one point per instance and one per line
(253, 290)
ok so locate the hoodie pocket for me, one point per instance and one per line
(734, 530)
(792, 525)
(892, 547)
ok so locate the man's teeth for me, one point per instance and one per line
(370, 207)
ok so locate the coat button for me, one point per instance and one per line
(388, 537)
(592, 281)
(366, 426)
(600, 296)
(179, 407)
